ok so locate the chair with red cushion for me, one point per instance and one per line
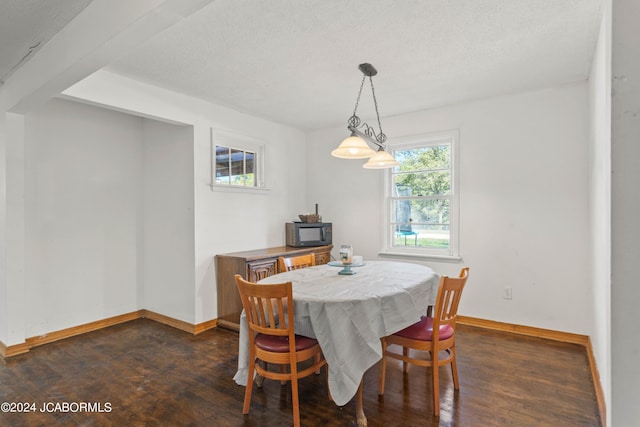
(431, 334)
(269, 311)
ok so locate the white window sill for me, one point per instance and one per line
(239, 189)
(434, 257)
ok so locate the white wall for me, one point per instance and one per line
(229, 221)
(120, 215)
(625, 292)
(600, 202)
(224, 221)
(112, 212)
(524, 202)
(514, 211)
(167, 221)
(13, 229)
(99, 34)
(82, 187)
(4, 321)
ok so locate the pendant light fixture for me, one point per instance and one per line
(356, 146)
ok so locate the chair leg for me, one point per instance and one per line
(294, 394)
(249, 388)
(436, 383)
(259, 378)
(383, 367)
(328, 389)
(283, 370)
(316, 360)
(405, 364)
(454, 368)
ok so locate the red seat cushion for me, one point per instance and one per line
(281, 344)
(423, 330)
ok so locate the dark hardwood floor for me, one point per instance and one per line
(143, 373)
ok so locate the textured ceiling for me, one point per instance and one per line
(296, 61)
(26, 25)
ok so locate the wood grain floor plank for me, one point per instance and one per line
(155, 375)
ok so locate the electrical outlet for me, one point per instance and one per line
(506, 293)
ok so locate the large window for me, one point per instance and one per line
(237, 161)
(421, 202)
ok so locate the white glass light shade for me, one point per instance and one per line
(353, 147)
(381, 160)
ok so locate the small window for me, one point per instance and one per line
(421, 203)
(236, 161)
(235, 167)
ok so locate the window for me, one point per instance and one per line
(421, 200)
(235, 167)
(236, 162)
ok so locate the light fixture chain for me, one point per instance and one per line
(359, 94)
(381, 137)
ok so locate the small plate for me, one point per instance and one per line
(340, 264)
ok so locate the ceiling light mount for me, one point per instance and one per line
(355, 146)
(368, 69)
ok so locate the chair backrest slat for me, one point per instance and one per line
(281, 309)
(297, 262)
(259, 311)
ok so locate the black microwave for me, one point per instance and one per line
(308, 234)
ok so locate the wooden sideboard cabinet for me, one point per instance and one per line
(253, 266)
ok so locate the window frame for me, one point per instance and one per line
(235, 141)
(450, 137)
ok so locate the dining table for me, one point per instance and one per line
(348, 312)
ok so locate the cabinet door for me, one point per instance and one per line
(258, 270)
(323, 258)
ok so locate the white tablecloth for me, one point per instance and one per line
(349, 314)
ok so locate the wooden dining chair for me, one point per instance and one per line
(269, 311)
(294, 263)
(431, 334)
